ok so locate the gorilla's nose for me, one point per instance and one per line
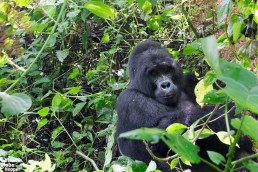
(165, 84)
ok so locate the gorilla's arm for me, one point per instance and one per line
(138, 110)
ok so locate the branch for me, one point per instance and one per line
(189, 21)
(42, 49)
(88, 159)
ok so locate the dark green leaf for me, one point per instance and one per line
(183, 147)
(141, 3)
(78, 108)
(215, 97)
(148, 134)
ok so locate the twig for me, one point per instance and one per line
(189, 21)
(207, 121)
(42, 49)
(88, 159)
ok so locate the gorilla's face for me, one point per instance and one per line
(165, 84)
(154, 73)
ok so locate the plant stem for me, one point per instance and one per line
(78, 152)
(42, 49)
(233, 145)
(189, 21)
(211, 165)
(88, 159)
(245, 159)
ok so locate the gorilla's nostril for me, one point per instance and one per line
(165, 85)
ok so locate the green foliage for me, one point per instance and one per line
(15, 103)
(174, 140)
(100, 9)
(62, 65)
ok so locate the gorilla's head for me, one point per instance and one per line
(154, 72)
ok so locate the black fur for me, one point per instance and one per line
(138, 106)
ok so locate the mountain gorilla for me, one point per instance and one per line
(158, 95)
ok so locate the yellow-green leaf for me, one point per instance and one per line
(200, 91)
(100, 9)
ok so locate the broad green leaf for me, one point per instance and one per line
(74, 90)
(78, 108)
(56, 101)
(216, 157)
(200, 91)
(155, 22)
(52, 40)
(50, 10)
(176, 127)
(237, 28)
(74, 73)
(189, 50)
(215, 97)
(141, 3)
(249, 126)
(210, 49)
(224, 9)
(182, 147)
(43, 112)
(100, 9)
(209, 78)
(56, 132)
(41, 80)
(247, 98)
(37, 27)
(148, 134)
(57, 144)
(251, 165)
(42, 123)
(62, 54)
(73, 14)
(15, 103)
